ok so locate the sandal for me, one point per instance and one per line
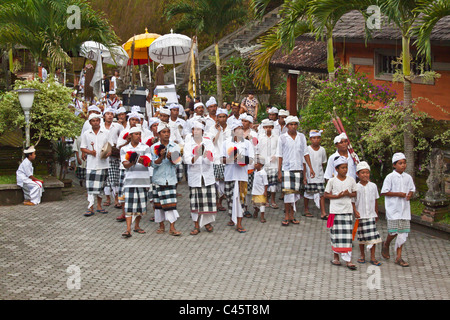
(102, 211)
(376, 263)
(274, 206)
(118, 206)
(361, 260)
(308, 215)
(324, 218)
(195, 232)
(89, 213)
(247, 214)
(241, 230)
(335, 262)
(126, 234)
(107, 203)
(121, 218)
(230, 224)
(402, 263)
(294, 221)
(175, 233)
(222, 208)
(263, 220)
(160, 231)
(351, 266)
(285, 223)
(209, 228)
(139, 231)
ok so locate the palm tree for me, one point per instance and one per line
(432, 11)
(41, 26)
(297, 18)
(210, 17)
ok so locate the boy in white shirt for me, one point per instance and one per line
(365, 207)
(339, 190)
(32, 187)
(259, 189)
(315, 187)
(92, 142)
(398, 188)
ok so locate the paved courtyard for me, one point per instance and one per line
(54, 252)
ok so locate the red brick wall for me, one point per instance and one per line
(439, 93)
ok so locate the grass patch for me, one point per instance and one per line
(11, 178)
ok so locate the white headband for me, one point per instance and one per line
(94, 116)
(340, 137)
(291, 119)
(315, 133)
(162, 126)
(198, 104)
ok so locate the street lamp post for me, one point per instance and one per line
(26, 97)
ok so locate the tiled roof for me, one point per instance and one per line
(308, 55)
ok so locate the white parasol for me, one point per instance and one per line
(115, 56)
(170, 48)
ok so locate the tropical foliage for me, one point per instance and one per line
(50, 116)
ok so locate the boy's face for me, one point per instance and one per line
(95, 123)
(164, 134)
(343, 145)
(273, 116)
(292, 127)
(133, 122)
(364, 175)
(400, 166)
(109, 116)
(246, 124)
(222, 118)
(135, 137)
(122, 116)
(342, 169)
(32, 156)
(315, 140)
(258, 166)
(164, 117)
(174, 112)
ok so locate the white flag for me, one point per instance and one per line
(96, 82)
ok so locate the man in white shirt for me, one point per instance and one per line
(237, 154)
(199, 158)
(199, 110)
(175, 121)
(91, 109)
(31, 186)
(267, 148)
(92, 142)
(291, 153)
(218, 134)
(210, 119)
(341, 143)
(280, 124)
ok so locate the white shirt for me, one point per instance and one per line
(99, 140)
(223, 135)
(209, 123)
(24, 172)
(366, 196)
(292, 151)
(76, 148)
(114, 131)
(318, 158)
(202, 168)
(260, 181)
(396, 207)
(267, 147)
(233, 171)
(113, 84)
(336, 186)
(330, 171)
(137, 175)
(278, 129)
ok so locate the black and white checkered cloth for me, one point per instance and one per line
(120, 191)
(367, 231)
(180, 171)
(272, 176)
(80, 173)
(229, 191)
(96, 180)
(165, 197)
(341, 233)
(219, 170)
(136, 200)
(315, 188)
(398, 226)
(292, 182)
(203, 199)
(113, 172)
(251, 177)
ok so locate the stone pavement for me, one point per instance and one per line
(40, 246)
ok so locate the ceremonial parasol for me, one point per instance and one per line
(115, 55)
(170, 48)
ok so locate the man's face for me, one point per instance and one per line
(199, 110)
(122, 116)
(164, 134)
(273, 116)
(212, 109)
(235, 109)
(135, 137)
(153, 128)
(164, 117)
(281, 120)
(222, 119)
(292, 127)
(133, 122)
(109, 116)
(174, 112)
(246, 124)
(95, 123)
(343, 145)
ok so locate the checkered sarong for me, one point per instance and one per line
(120, 191)
(315, 188)
(367, 231)
(95, 180)
(80, 173)
(165, 197)
(180, 171)
(398, 226)
(135, 200)
(203, 199)
(229, 190)
(219, 170)
(251, 177)
(113, 172)
(292, 182)
(272, 176)
(341, 233)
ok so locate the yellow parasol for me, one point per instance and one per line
(141, 43)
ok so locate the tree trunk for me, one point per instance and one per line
(408, 136)
(218, 76)
(330, 57)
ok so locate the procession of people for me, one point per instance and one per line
(232, 164)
